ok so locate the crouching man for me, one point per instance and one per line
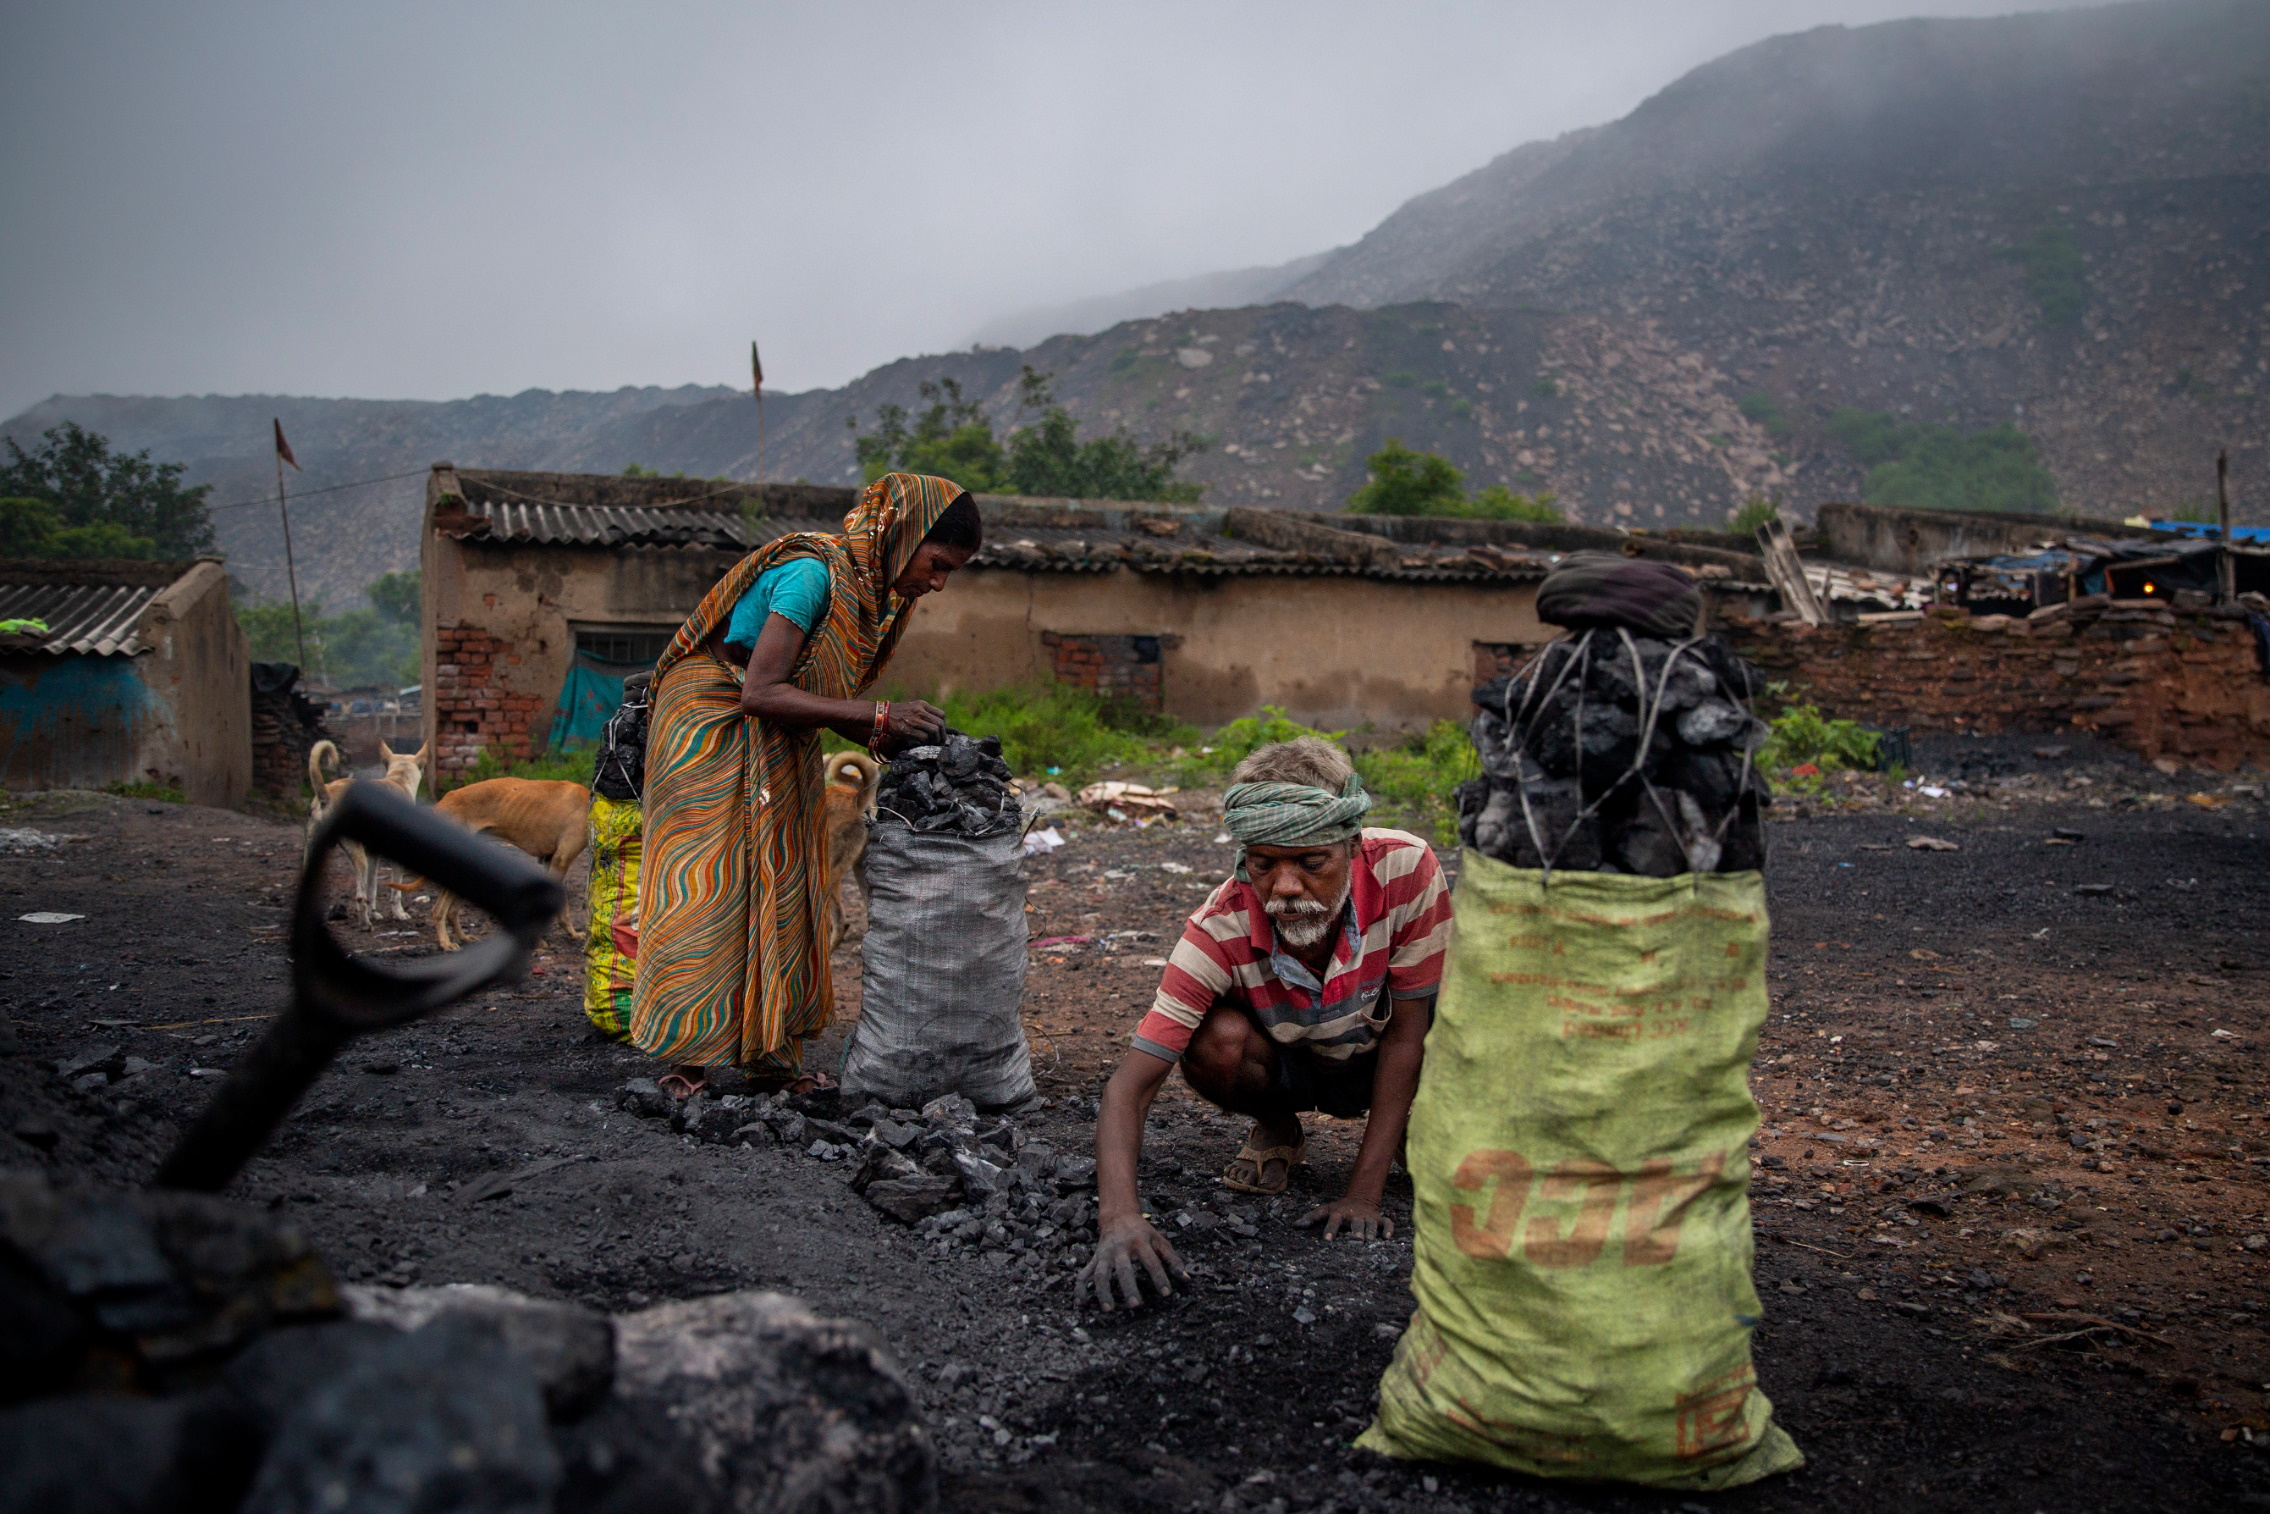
(1305, 982)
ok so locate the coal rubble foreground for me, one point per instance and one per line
(960, 787)
(955, 1176)
(175, 1352)
(1566, 783)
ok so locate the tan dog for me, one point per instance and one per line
(403, 774)
(847, 802)
(547, 820)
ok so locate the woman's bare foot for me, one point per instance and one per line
(683, 1083)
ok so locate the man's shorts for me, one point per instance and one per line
(1340, 1089)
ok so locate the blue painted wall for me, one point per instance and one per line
(73, 722)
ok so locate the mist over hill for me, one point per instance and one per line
(2060, 221)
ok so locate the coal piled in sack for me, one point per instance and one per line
(960, 787)
(1620, 753)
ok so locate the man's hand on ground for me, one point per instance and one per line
(1364, 1221)
(1118, 1248)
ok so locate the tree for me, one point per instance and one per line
(400, 597)
(34, 528)
(105, 503)
(361, 648)
(954, 439)
(1919, 465)
(1405, 482)
(1048, 457)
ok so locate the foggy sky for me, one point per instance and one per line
(429, 201)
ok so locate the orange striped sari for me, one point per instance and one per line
(733, 964)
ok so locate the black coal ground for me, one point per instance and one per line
(1247, 1388)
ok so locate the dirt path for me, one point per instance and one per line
(1937, 1253)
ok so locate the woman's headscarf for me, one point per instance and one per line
(893, 515)
(865, 616)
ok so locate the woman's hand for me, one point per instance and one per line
(914, 722)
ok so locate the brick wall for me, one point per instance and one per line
(1117, 667)
(475, 709)
(2187, 686)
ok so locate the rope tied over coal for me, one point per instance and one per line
(1294, 814)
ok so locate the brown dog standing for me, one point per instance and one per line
(546, 819)
(849, 800)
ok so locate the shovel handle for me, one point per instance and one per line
(336, 997)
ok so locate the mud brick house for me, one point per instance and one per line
(141, 676)
(544, 589)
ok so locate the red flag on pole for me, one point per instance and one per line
(757, 368)
(284, 448)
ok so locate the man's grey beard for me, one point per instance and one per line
(1304, 922)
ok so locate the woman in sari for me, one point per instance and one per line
(733, 961)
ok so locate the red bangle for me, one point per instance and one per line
(882, 726)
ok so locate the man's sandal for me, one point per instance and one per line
(1249, 1170)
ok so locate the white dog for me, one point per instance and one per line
(403, 774)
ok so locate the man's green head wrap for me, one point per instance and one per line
(1294, 814)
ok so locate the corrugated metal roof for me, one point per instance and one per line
(600, 525)
(83, 618)
(1017, 549)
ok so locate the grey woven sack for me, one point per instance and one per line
(944, 970)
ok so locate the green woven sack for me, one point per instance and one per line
(1579, 1154)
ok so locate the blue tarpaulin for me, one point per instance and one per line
(592, 693)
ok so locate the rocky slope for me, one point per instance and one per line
(1875, 217)
(2059, 220)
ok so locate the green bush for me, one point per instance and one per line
(1401, 481)
(1802, 736)
(1753, 514)
(1762, 409)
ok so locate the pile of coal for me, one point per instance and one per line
(959, 787)
(170, 1353)
(1618, 753)
(945, 1169)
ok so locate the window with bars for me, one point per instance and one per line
(628, 646)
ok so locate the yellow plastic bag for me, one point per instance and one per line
(1579, 1154)
(610, 950)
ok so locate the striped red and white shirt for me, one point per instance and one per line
(1392, 938)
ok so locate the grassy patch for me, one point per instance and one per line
(570, 765)
(157, 791)
(1050, 731)
(2054, 274)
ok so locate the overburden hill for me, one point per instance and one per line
(2059, 223)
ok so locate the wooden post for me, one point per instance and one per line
(2226, 566)
(1787, 571)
